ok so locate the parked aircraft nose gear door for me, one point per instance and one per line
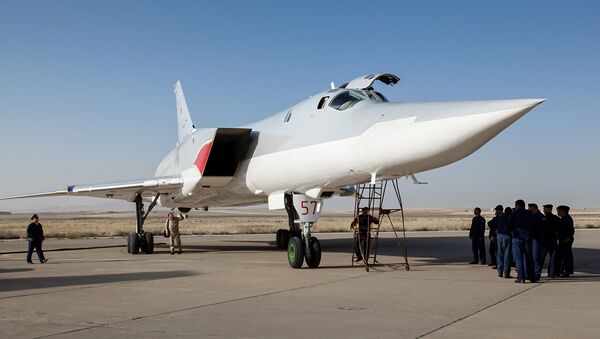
(300, 245)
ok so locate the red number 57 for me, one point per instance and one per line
(305, 207)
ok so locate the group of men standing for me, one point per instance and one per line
(525, 237)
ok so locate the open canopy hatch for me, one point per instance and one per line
(367, 81)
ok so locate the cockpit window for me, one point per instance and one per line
(322, 102)
(374, 95)
(382, 97)
(345, 100)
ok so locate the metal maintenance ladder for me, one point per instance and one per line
(373, 196)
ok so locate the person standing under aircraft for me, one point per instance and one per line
(172, 225)
(500, 222)
(477, 236)
(507, 213)
(361, 235)
(35, 238)
(521, 227)
(493, 236)
(566, 234)
(551, 227)
(537, 239)
(504, 244)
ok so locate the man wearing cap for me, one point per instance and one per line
(172, 226)
(537, 240)
(521, 225)
(551, 226)
(500, 223)
(477, 236)
(361, 234)
(566, 234)
(493, 236)
(35, 237)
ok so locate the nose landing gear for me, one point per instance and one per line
(301, 246)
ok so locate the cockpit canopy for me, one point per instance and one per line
(359, 89)
(366, 81)
(348, 98)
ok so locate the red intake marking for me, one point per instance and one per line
(202, 157)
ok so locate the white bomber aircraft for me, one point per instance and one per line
(294, 159)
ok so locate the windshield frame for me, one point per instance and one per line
(356, 94)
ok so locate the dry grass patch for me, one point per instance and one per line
(78, 225)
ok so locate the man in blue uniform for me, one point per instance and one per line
(537, 239)
(493, 236)
(35, 237)
(477, 236)
(500, 223)
(521, 225)
(551, 227)
(566, 234)
(507, 213)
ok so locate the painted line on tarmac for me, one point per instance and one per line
(111, 325)
(499, 302)
(479, 311)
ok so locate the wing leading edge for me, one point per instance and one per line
(123, 190)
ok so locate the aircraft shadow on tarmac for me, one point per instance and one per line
(14, 270)
(28, 283)
(434, 250)
(427, 250)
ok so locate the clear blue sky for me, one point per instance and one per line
(85, 86)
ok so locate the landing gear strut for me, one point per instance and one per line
(283, 236)
(141, 240)
(301, 246)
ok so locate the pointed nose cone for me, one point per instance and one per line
(495, 116)
(516, 107)
(439, 133)
(464, 134)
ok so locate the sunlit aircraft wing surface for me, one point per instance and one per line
(124, 190)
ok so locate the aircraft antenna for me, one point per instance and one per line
(332, 84)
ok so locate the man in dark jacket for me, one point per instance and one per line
(35, 237)
(551, 227)
(500, 224)
(493, 236)
(537, 239)
(477, 236)
(521, 225)
(566, 234)
(362, 237)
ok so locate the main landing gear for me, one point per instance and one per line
(300, 245)
(140, 240)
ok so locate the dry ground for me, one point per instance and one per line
(107, 224)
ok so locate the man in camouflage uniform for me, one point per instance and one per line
(172, 227)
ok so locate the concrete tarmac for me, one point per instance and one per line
(241, 286)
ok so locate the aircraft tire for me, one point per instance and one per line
(135, 243)
(128, 242)
(295, 252)
(285, 238)
(278, 240)
(315, 253)
(149, 242)
(282, 238)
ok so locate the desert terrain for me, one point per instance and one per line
(248, 221)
